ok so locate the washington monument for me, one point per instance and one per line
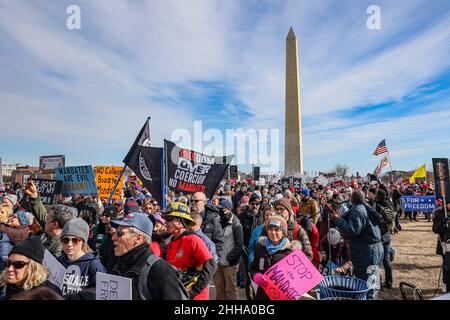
(293, 146)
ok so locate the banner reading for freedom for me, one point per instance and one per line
(77, 180)
(189, 171)
(418, 203)
(48, 189)
(106, 177)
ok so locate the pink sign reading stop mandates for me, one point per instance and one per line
(290, 278)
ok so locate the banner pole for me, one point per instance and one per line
(115, 186)
(163, 176)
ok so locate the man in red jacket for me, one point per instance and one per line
(187, 252)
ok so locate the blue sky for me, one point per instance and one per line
(86, 93)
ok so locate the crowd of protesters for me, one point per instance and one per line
(179, 251)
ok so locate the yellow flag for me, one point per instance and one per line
(419, 173)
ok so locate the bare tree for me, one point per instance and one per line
(341, 170)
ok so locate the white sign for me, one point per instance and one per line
(322, 180)
(56, 269)
(110, 287)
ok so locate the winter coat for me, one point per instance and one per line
(233, 241)
(52, 244)
(256, 234)
(164, 239)
(297, 232)
(249, 222)
(309, 208)
(106, 253)
(8, 291)
(81, 273)
(262, 261)
(211, 227)
(386, 237)
(365, 239)
(440, 227)
(189, 252)
(162, 278)
(5, 248)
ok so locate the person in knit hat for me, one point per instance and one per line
(270, 250)
(308, 206)
(24, 269)
(10, 199)
(78, 259)
(295, 231)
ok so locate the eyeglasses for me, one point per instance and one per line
(16, 264)
(196, 200)
(66, 240)
(120, 233)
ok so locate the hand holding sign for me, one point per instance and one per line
(290, 278)
(31, 190)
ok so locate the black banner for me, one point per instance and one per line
(256, 173)
(286, 183)
(48, 190)
(189, 171)
(146, 163)
(441, 178)
(233, 172)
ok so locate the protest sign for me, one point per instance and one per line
(286, 182)
(418, 203)
(297, 183)
(290, 277)
(110, 287)
(56, 269)
(48, 189)
(77, 180)
(233, 172)
(106, 177)
(189, 171)
(256, 173)
(442, 178)
(47, 164)
(322, 180)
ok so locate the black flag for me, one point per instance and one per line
(189, 171)
(146, 163)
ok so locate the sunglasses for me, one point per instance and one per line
(16, 264)
(120, 233)
(255, 203)
(66, 240)
(195, 200)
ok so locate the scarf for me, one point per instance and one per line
(271, 248)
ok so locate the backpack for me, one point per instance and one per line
(143, 290)
(388, 220)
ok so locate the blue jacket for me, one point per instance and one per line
(256, 234)
(5, 249)
(209, 244)
(365, 238)
(80, 274)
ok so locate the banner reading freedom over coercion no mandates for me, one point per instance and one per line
(77, 180)
(189, 171)
(106, 177)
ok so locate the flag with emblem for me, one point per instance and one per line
(383, 163)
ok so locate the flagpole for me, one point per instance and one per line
(115, 186)
(163, 176)
(390, 166)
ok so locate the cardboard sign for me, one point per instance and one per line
(110, 287)
(56, 269)
(289, 278)
(106, 177)
(322, 180)
(47, 164)
(77, 180)
(418, 203)
(48, 189)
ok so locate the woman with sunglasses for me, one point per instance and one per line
(80, 263)
(24, 270)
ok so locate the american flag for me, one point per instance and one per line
(381, 148)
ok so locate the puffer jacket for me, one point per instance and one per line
(263, 261)
(365, 239)
(5, 249)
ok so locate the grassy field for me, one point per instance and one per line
(415, 261)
